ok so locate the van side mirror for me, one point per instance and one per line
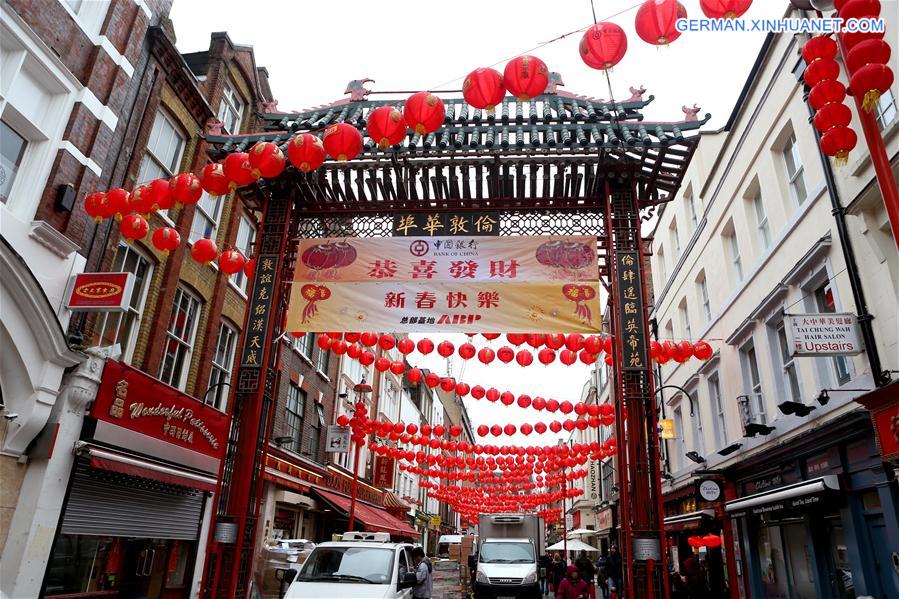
(408, 581)
(285, 575)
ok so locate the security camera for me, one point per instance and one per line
(10, 415)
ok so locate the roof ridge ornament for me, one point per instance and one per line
(555, 80)
(691, 112)
(357, 90)
(636, 94)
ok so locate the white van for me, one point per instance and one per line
(444, 543)
(361, 566)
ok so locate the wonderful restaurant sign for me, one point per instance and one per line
(450, 284)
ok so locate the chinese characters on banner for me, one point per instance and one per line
(446, 284)
(260, 309)
(442, 224)
(629, 302)
(385, 467)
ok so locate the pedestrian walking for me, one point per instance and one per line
(696, 585)
(543, 571)
(423, 570)
(601, 575)
(613, 571)
(573, 586)
(557, 572)
(586, 570)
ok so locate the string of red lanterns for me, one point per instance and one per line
(826, 97)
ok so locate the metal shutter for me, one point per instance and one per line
(111, 504)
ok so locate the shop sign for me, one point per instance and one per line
(886, 426)
(576, 519)
(225, 532)
(463, 224)
(594, 491)
(569, 521)
(337, 439)
(100, 292)
(344, 484)
(666, 428)
(446, 284)
(435, 521)
(647, 549)
(129, 399)
(385, 467)
(604, 519)
(631, 313)
(709, 490)
(260, 310)
(825, 334)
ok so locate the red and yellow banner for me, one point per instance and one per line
(507, 284)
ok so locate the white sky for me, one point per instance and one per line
(312, 49)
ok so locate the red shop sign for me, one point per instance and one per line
(129, 399)
(883, 404)
(100, 292)
(384, 470)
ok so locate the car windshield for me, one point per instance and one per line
(366, 565)
(506, 553)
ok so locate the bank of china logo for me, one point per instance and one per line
(98, 290)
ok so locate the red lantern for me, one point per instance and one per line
(819, 47)
(838, 142)
(524, 358)
(386, 126)
(603, 45)
(820, 70)
(586, 357)
(424, 112)
(509, 429)
(859, 9)
(432, 379)
(702, 350)
(826, 92)
(711, 540)
(462, 389)
(367, 358)
(166, 239)
(486, 355)
(306, 152)
(204, 251)
(249, 268)
(724, 9)
(505, 354)
(832, 115)
(656, 21)
(266, 159)
(425, 346)
(342, 142)
(213, 180)
(872, 51)
(237, 169)
(483, 430)
(414, 375)
(526, 77)
(567, 357)
(483, 88)
(397, 367)
(141, 200)
(546, 356)
(406, 346)
(119, 202)
(94, 205)
(870, 82)
(850, 39)
(448, 384)
(134, 226)
(467, 351)
(386, 342)
(382, 364)
(445, 349)
(526, 429)
(231, 261)
(185, 189)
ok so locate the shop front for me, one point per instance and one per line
(818, 517)
(606, 534)
(134, 517)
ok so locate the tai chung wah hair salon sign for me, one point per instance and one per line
(826, 334)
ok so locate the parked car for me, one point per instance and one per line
(361, 566)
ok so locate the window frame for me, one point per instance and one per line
(294, 420)
(197, 303)
(792, 386)
(18, 162)
(752, 382)
(717, 402)
(318, 423)
(240, 279)
(226, 369)
(234, 102)
(213, 221)
(733, 249)
(691, 210)
(885, 104)
(702, 284)
(794, 168)
(675, 237)
(684, 313)
(839, 364)
(762, 224)
(151, 153)
(300, 344)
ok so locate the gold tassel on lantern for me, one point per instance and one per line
(841, 158)
(871, 99)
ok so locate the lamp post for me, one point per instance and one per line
(360, 416)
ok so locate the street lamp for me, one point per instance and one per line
(360, 415)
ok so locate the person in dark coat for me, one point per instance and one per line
(586, 570)
(613, 569)
(557, 572)
(572, 586)
(694, 576)
(543, 571)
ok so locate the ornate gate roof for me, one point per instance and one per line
(554, 152)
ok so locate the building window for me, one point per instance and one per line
(825, 301)
(761, 221)
(885, 110)
(231, 109)
(165, 149)
(663, 269)
(304, 344)
(753, 384)
(703, 286)
(246, 236)
(685, 320)
(733, 254)
(324, 358)
(678, 442)
(698, 441)
(12, 149)
(122, 327)
(315, 434)
(718, 407)
(222, 363)
(795, 172)
(207, 216)
(296, 409)
(791, 378)
(180, 339)
(675, 238)
(691, 211)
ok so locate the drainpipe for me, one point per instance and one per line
(881, 377)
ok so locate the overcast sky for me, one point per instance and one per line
(312, 49)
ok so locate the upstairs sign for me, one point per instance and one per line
(824, 334)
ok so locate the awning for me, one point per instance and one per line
(114, 461)
(791, 496)
(688, 521)
(375, 519)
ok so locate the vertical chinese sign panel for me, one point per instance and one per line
(260, 309)
(629, 302)
(461, 283)
(385, 468)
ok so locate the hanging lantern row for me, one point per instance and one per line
(867, 54)
(832, 116)
(708, 540)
